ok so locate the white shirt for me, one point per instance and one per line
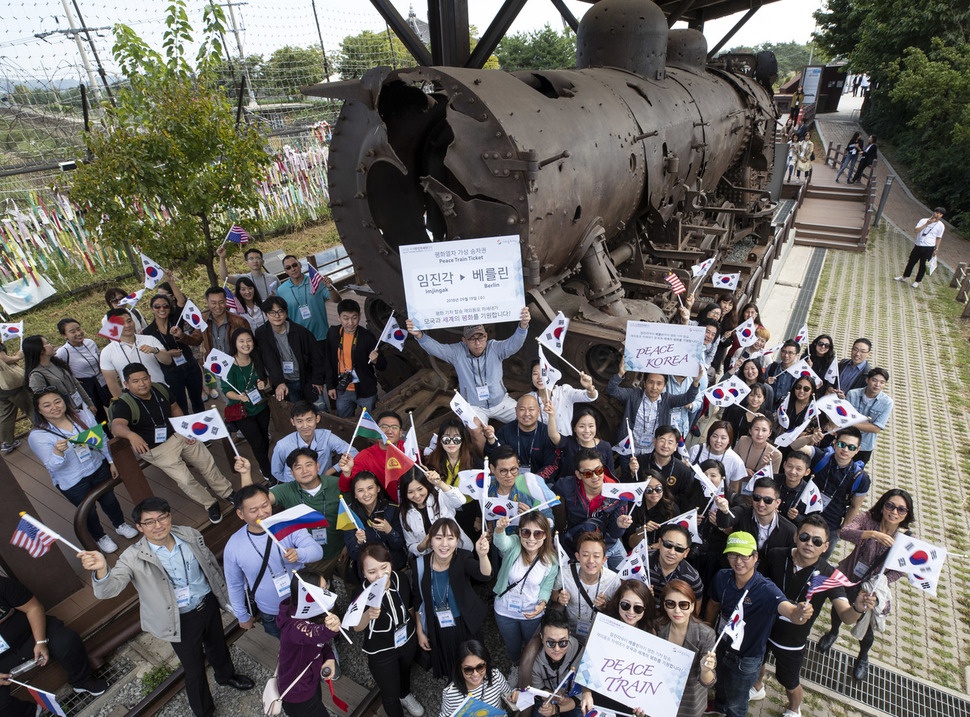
(116, 355)
(929, 233)
(84, 360)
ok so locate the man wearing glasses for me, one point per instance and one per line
(374, 457)
(777, 375)
(265, 282)
(667, 563)
(180, 590)
(853, 370)
(291, 355)
(761, 601)
(770, 528)
(478, 363)
(586, 508)
(842, 481)
(797, 571)
(308, 306)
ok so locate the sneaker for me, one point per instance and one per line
(106, 544)
(754, 695)
(215, 513)
(900, 278)
(792, 713)
(9, 447)
(412, 706)
(92, 686)
(126, 531)
(915, 284)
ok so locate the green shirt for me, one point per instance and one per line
(244, 379)
(326, 501)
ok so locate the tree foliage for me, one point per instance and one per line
(290, 68)
(792, 56)
(543, 49)
(171, 169)
(359, 53)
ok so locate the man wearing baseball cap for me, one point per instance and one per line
(745, 600)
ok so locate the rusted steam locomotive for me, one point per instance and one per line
(643, 160)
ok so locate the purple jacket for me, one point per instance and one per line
(301, 643)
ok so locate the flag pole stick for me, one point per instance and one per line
(231, 443)
(535, 508)
(384, 332)
(40, 526)
(562, 683)
(740, 602)
(325, 612)
(562, 359)
(356, 428)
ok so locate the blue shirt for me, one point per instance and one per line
(877, 409)
(183, 569)
(77, 462)
(316, 304)
(850, 374)
(760, 608)
(324, 443)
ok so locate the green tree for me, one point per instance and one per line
(543, 49)
(290, 68)
(792, 56)
(171, 169)
(359, 53)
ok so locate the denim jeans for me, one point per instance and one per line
(515, 633)
(736, 676)
(615, 555)
(109, 503)
(269, 625)
(348, 402)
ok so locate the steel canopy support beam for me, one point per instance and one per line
(678, 12)
(403, 31)
(567, 14)
(450, 44)
(496, 31)
(755, 6)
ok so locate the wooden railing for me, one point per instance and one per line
(961, 282)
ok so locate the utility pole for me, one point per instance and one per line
(76, 32)
(237, 31)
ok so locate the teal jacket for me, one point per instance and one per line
(511, 550)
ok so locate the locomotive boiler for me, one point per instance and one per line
(643, 160)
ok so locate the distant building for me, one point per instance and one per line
(419, 27)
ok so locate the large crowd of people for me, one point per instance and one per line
(450, 567)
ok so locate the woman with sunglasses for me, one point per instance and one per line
(720, 437)
(76, 469)
(794, 406)
(249, 302)
(183, 374)
(873, 533)
(583, 435)
(426, 499)
(755, 450)
(390, 639)
(474, 676)
(657, 507)
(525, 579)
(42, 368)
(454, 452)
(244, 384)
(755, 403)
(678, 624)
(820, 355)
(113, 297)
(450, 608)
(374, 509)
(748, 311)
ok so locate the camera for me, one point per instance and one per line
(344, 380)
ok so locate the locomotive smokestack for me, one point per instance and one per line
(626, 34)
(687, 48)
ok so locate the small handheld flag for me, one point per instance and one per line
(626, 446)
(702, 268)
(112, 327)
(832, 371)
(463, 409)
(153, 272)
(550, 374)
(32, 539)
(232, 303)
(218, 363)
(781, 415)
(472, 483)
(192, 315)
(412, 449)
(763, 472)
(132, 299)
(801, 369)
(93, 437)
(315, 277)
(745, 333)
(920, 560)
(299, 517)
(471, 707)
(735, 625)
(496, 508)
(801, 338)
(726, 281)
(811, 498)
(237, 235)
(555, 334)
(396, 465)
(840, 412)
(631, 492)
(313, 600)
(367, 428)
(710, 490)
(820, 583)
(636, 565)
(203, 426)
(393, 334)
(11, 331)
(370, 597)
(47, 700)
(687, 520)
(346, 519)
(676, 285)
(729, 392)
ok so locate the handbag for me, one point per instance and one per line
(234, 412)
(931, 265)
(272, 699)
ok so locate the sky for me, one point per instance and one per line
(269, 24)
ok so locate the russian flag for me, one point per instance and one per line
(299, 517)
(47, 700)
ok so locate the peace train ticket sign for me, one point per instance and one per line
(463, 282)
(634, 668)
(663, 348)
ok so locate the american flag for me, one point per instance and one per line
(232, 303)
(316, 278)
(31, 538)
(675, 283)
(238, 235)
(820, 583)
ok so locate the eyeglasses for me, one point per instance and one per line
(627, 605)
(561, 644)
(472, 669)
(152, 522)
(276, 312)
(534, 533)
(738, 556)
(766, 499)
(847, 446)
(823, 345)
(816, 541)
(161, 307)
(803, 387)
(598, 471)
(451, 440)
(676, 548)
(894, 508)
(655, 489)
(684, 605)
(477, 338)
(389, 426)
(288, 267)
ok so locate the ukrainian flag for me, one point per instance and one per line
(346, 520)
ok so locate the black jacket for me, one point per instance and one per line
(366, 372)
(742, 518)
(309, 357)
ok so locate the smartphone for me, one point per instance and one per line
(24, 667)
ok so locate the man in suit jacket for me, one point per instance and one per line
(868, 157)
(853, 370)
(762, 519)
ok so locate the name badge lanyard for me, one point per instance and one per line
(480, 365)
(582, 591)
(271, 572)
(161, 412)
(443, 603)
(185, 566)
(518, 443)
(88, 359)
(522, 579)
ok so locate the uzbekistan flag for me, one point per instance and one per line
(299, 517)
(368, 428)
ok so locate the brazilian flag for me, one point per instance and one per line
(93, 437)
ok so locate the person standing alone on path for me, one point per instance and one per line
(929, 234)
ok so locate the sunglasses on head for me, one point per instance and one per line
(627, 605)
(472, 669)
(598, 471)
(534, 533)
(766, 499)
(676, 548)
(816, 541)
(684, 605)
(451, 440)
(561, 644)
(847, 446)
(655, 489)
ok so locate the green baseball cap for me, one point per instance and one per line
(741, 543)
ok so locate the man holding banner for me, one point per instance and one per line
(743, 607)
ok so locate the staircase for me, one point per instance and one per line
(833, 216)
